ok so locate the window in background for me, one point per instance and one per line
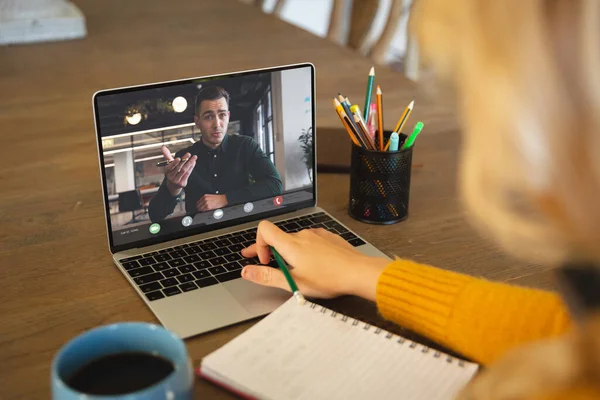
(264, 125)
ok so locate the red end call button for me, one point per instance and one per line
(278, 200)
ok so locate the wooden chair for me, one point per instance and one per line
(354, 32)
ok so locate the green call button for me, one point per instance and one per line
(154, 229)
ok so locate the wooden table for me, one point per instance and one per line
(57, 276)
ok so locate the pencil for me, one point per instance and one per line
(363, 130)
(345, 102)
(345, 121)
(404, 117)
(363, 126)
(380, 117)
(369, 92)
(299, 298)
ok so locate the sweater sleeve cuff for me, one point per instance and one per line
(419, 297)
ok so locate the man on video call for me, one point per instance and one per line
(218, 170)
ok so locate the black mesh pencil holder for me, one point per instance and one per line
(380, 184)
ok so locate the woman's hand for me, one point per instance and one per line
(322, 263)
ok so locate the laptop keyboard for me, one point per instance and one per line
(196, 265)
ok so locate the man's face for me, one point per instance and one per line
(212, 120)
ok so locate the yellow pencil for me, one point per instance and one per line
(404, 117)
(345, 121)
(380, 117)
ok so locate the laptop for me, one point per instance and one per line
(189, 168)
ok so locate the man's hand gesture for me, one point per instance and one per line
(178, 171)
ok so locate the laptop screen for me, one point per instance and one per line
(190, 156)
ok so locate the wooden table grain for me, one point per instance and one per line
(57, 276)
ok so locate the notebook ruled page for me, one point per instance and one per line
(308, 352)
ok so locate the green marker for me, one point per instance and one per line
(369, 92)
(411, 139)
(288, 276)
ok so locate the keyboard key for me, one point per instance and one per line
(178, 247)
(356, 242)
(246, 261)
(130, 259)
(151, 254)
(155, 295)
(185, 278)
(232, 266)
(222, 251)
(320, 218)
(186, 269)
(339, 228)
(206, 255)
(217, 270)
(176, 263)
(203, 273)
(189, 286)
(222, 243)
(171, 272)
(236, 248)
(150, 287)
(161, 266)
(172, 291)
(247, 244)
(348, 236)
(250, 236)
(140, 271)
(130, 264)
(146, 261)
(206, 282)
(237, 239)
(233, 257)
(162, 257)
(193, 250)
(228, 276)
(217, 261)
(163, 251)
(304, 223)
(141, 280)
(202, 264)
(169, 282)
(291, 225)
(178, 253)
(208, 246)
(192, 259)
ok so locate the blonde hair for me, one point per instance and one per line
(527, 80)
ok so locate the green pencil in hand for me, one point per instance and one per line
(288, 276)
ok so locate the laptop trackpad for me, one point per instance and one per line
(256, 299)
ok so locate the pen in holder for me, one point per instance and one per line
(380, 184)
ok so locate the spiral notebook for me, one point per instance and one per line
(310, 352)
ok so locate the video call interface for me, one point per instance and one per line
(191, 154)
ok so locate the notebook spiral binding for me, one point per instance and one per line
(388, 335)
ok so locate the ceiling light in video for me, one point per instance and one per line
(134, 119)
(179, 104)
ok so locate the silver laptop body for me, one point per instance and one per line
(206, 308)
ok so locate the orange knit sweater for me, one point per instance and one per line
(474, 317)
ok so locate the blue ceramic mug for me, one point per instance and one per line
(129, 337)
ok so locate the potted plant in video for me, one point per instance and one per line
(306, 144)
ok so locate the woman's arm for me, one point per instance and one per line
(475, 317)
